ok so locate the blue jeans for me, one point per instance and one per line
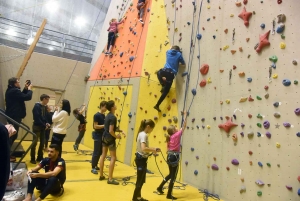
(40, 133)
(97, 148)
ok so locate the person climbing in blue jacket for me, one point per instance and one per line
(168, 73)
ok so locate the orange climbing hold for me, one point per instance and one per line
(204, 69)
(203, 83)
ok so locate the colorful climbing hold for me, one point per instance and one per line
(235, 162)
(286, 124)
(258, 125)
(249, 79)
(286, 82)
(250, 134)
(214, 167)
(259, 182)
(194, 92)
(277, 114)
(204, 69)
(263, 41)
(259, 193)
(227, 125)
(282, 45)
(276, 104)
(192, 149)
(268, 134)
(273, 58)
(199, 36)
(266, 124)
(278, 145)
(196, 172)
(203, 83)
(125, 93)
(244, 15)
(280, 28)
(258, 98)
(262, 25)
(129, 115)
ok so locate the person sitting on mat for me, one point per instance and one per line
(50, 182)
(142, 153)
(112, 31)
(173, 144)
(78, 113)
(168, 73)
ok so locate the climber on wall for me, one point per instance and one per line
(141, 10)
(168, 73)
(112, 31)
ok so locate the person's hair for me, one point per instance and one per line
(44, 96)
(110, 104)
(55, 146)
(103, 103)
(112, 19)
(170, 131)
(175, 47)
(144, 124)
(76, 113)
(12, 81)
(66, 106)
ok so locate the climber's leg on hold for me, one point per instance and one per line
(110, 43)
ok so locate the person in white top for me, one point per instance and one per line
(60, 121)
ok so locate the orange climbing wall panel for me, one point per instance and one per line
(131, 42)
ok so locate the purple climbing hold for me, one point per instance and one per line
(235, 162)
(214, 167)
(203, 119)
(164, 128)
(194, 92)
(266, 124)
(242, 125)
(259, 182)
(299, 191)
(197, 157)
(268, 134)
(221, 118)
(203, 126)
(286, 124)
(186, 162)
(131, 58)
(289, 187)
(170, 120)
(193, 120)
(298, 134)
(242, 134)
(297, 111)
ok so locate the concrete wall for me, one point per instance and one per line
(48, 74)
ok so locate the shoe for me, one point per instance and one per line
(62, 190)
(149, 172)
(171, 197)
(141, 199)
(101, 178)
(75, 147)
(157, 108)
(32, 161)
(109, 53)
(94, 171)
(114, 182)
(106, 53)
(15, 196)
(141, 21)
(160, 191)
(97, 168)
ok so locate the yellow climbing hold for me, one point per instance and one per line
(208, 126)
(275, 76)
(277, 145)
(208, 142)
(243, 99)
(208, 7)
(227, 101)
(208, 80)
(162, 6)
(208, 166)
(282, 45)
(225, 47)
(176, 29)
(231, 15)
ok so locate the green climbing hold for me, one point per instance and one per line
(282, 36)
(273, 58)
(259, 193)
(259, 125)
(259, 116)
(295, 81)
(268, 164)
(258, 97)
(131, 4)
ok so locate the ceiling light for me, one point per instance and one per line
(80, 21)
(51, 48)
(30, 40)
(52, 6)
(11, 32)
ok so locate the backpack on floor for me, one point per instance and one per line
(17, 179)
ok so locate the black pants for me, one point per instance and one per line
(58, 139)
(173, 169)
(4, 156)
(80, 136)
(111, 39)
(97, 148)
(14, 137)
(40, 133)
(141, 165)
(167, 84)
(47, 136)
(47, 186)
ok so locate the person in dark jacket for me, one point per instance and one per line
(168, 73)
(49, 121)
(4, 158)
(40, 123)
(15, 102)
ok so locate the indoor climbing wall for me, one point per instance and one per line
(243, 128)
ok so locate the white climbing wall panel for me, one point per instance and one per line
(214, 145)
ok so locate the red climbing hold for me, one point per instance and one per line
(203, 83)
(250, 115)
(244, 15)
(263, 41)
(245, 2)
(227, 125)
(204, 69)
(173, 100)
(250, 152)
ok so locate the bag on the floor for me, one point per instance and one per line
(16, 179)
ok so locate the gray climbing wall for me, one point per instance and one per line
(210, 143)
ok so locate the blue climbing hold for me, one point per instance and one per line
(131, 58)
(130, 28)
(262, 25)
(199, 36)
(208, 19)
(121, 54)
(258, 134)
(214, 36)
(260, 164)
(280, 28)
(188, 23)
(148, 9)
(276, 104)
(125, 93)
(129, 115)
(273, 65)
(249, 79)
(286, 82)
(134, 33)
(299, 191)
(199, 127)
(196, 172)
(298, 134)
(194, 92)
(184, 74)
(192, 149)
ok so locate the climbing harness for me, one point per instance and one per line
(207, 194)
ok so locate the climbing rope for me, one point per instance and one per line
(174, 21)
(207, 194)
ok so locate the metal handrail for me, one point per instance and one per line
(27, 129)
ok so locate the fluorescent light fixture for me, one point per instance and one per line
(51, 48)
(52, 6)
(30, 40)
(80, 21)
(11, 32)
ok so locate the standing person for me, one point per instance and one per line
(50, 182)
(78, 113)
(109, 142)
(4, 156)
(98, 125)
(112, 30)
(168, 73)
(173, 144)
(60, 121)
(142, 153)
(15, 103)
(141, 10)
(39, 126)
(48, 129)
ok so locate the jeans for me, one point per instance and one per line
(111, 39)
(40, 133)
(167, 84)
(97, 148)
(58, 139)
(141, 12)
(47, 186)
(141, 165)
(80, 136)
